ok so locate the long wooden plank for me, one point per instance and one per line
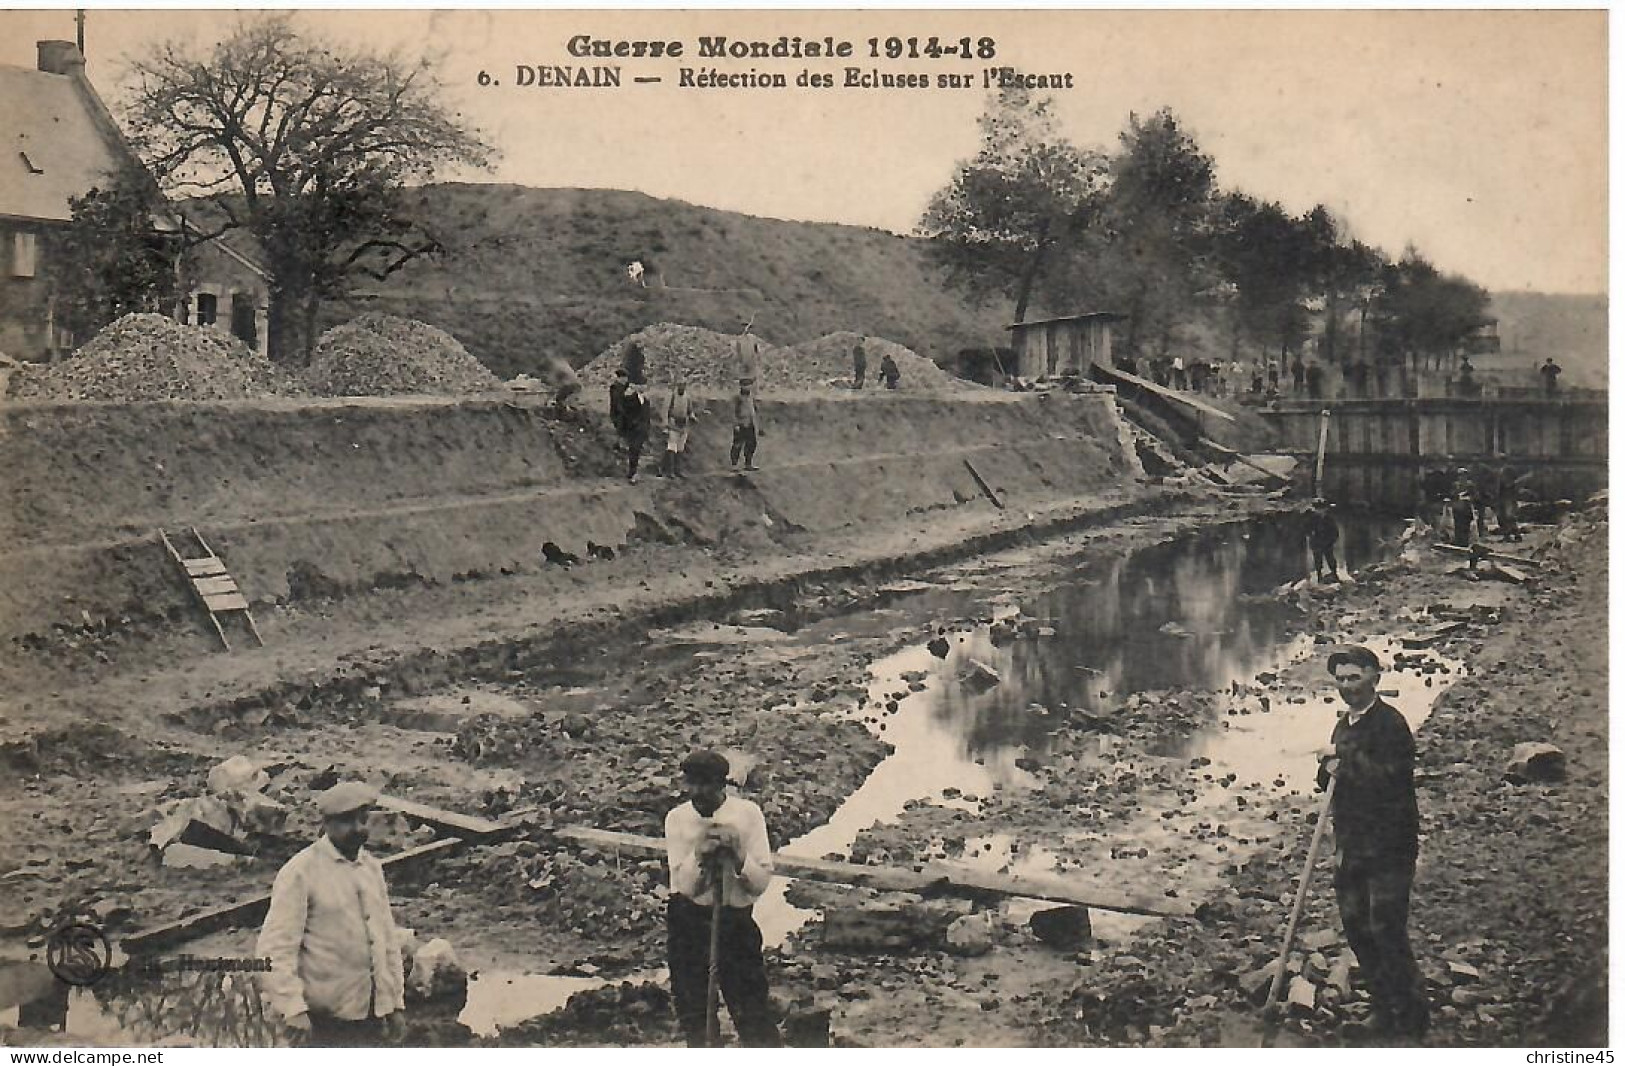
(225, 601)
(463, 825)
(983, 485)
(248, 911)
(224, 585)
(1501, 557)
(937, 877)
(1172, 395)
(1235, 456)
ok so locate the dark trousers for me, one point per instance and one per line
(1374, 902)
(740, 974)
(1324, 557)
(744, 444)
(1463, 522)
(634, 452)
(327, 1031)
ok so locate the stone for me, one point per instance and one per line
(437, 974)
(978, 675)
(203, 821)
(1300, 995)
(971, 935)
(1065, 928)
(1256, 983)
(261, 814)
(1462, 973)
(1535, 762)
(1320, 939)
(180, 856)
(938, 647)
(237, 774)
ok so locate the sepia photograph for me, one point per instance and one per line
(865, 528)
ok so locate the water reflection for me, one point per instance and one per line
(1195, 613)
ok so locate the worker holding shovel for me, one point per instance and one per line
(1374, 817)
(720, 862)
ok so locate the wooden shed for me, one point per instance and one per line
(1056, 347)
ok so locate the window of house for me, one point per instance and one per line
(23, 254)
(208, 306)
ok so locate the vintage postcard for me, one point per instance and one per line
(834, 529)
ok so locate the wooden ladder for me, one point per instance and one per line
(214, 586)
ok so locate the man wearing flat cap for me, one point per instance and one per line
(1373, 758)
(717, 843)
(336, 975)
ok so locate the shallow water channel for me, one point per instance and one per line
(1197, 612)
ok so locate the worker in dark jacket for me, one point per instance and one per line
(634, 428)
(1322, 534)
(1374, 817)
(617, 401)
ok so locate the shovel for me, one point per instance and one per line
(713, 979)
(1279, 978)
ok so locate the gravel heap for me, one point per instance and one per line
(701, 356)
(705, 358)
(382, 355)
(829, 358)
(150, 357)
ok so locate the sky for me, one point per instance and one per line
(1478, 136)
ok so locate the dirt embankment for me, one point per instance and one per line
(336, 498)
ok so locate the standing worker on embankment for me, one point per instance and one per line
(635, 427)
(746, 429)
(860, 365)
(717, 843)
(336, 977)
(1373, 758)
(889, 372)
(1322, 535)
(679, 416)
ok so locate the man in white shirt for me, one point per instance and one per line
(336, 975)
(712, 837)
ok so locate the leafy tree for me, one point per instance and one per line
(1020, 202)
(1156, 217)
(305, 145)
(1423, 315)
(113, 258)
(1339, 269)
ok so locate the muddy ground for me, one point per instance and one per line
(1512, 882)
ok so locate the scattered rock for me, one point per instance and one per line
(1536, 762)
(238, 774)
(971, 935)
(436, 973)
(979, 676)
(1066, 928)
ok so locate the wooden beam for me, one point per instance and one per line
(233, 915)
(937, 878)
(983, 485)
(1502, 557)
(466, 826)
(1237, 457)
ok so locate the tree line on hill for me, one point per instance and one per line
(1145, 231)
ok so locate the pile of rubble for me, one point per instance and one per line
(150, 357)
(382, 355)
(702, 357)
(828, 360)
(705, 358)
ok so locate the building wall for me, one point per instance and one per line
(232, 286)
(25, 313)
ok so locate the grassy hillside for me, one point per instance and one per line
(542, 271)
(1571, 329)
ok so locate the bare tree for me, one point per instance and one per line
(305, 145)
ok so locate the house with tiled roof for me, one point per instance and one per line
(58, 141)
